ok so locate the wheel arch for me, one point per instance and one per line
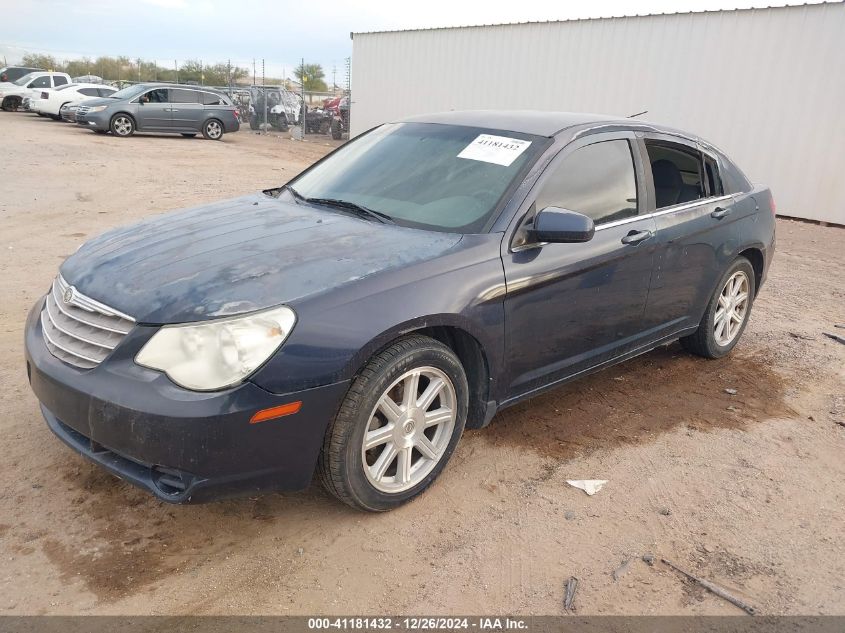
(124, 112)
(466, 345)
(758, 262)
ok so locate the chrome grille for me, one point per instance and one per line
(79, 330)
(83, 109)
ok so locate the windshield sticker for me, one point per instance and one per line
(499, 150)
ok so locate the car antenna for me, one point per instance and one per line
(634, 116)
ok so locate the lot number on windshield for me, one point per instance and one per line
(499, 150)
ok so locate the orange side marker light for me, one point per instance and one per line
(276, 412)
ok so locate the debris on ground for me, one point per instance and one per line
(664, 511)
(569, 597)
(622, 569)
(648, 559)
(734, 409)
(802, 337)
(731, 391)
(569, 515)
(715, 589)
(835, 337)
(841, 326)
(590, 486)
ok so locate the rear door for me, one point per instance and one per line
(570, 307)
(153, 111)
(696, 230)
(186, 109)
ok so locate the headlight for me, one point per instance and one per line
(216, 354)
(97, 109)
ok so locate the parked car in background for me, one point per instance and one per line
(50, 102)
(9, 74)
(353, 322)
(185, 110)
(68, 112)
(13, 94)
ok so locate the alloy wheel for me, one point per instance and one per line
(122, 126)
(732, 308)
(409, 429)
(214, 130)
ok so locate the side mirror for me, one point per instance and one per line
(556, 225)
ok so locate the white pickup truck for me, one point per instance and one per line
(13, 93)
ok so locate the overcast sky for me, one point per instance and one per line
(279, 30)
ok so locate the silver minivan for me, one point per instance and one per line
(185, 110)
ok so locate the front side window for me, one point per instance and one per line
(433, 176)
(159, 95)
(597, 180)
(41, 82)
(677, 172)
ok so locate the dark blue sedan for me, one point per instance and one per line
(411, 284)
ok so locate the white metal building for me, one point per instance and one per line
(765, 85)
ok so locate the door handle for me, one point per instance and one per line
(635, 237)
(719, 213)
(174, 110)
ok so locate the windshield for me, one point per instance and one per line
(129, 92)
(25, 79)
(442, 177)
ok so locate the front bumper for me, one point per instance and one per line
(180, 445)
(94, 120)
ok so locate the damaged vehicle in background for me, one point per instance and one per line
(353, 322)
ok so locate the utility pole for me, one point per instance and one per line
(139, 69)
(176, 67)
(334, 78)
(302, 92)
(229, 75)
(202, 75)
(155, 70)
(253, 71)
(264, 91)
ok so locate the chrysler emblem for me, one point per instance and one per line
(67, 297)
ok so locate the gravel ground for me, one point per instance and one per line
(747, 490)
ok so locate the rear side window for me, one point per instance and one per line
(677, 171)
(59, 80)
(597, 180)
(209, 98)
(712, 178)
(106, 92)
(88, 92)
(179, 95)
(41, 82)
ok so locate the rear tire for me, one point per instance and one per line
(410, 402)
(212, 130)
(11, 104)
(337, 133)
(122, 125)
(727, 313)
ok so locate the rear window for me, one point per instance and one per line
(677, 172)
(180, 95)
(209, 98)
(89, 92)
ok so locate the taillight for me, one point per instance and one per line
(237, 113)
(44, 95)
(773, 205)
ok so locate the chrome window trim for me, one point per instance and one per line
(665, 211)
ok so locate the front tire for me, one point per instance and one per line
(727, 313)
(122, 125)
(212, 130)
(397, 426)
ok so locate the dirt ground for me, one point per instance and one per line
(747, 490)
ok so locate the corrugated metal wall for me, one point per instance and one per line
(765, 85)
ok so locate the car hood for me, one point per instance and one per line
(237, 256)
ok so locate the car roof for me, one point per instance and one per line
(539, 122)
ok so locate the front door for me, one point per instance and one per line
(153, 111)
(570, 307)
